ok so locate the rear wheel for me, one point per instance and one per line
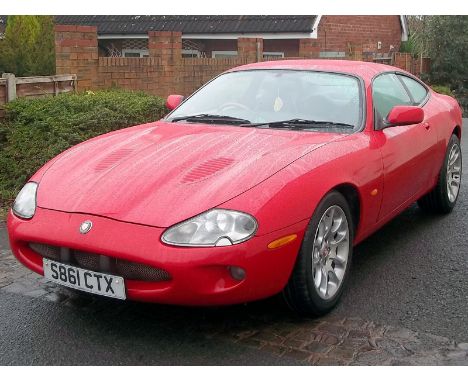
(443, 197)
(324, 260)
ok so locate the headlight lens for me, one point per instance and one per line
(216, 227)
(25, 203)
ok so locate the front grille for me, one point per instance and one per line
(100, 263)
(47, 251)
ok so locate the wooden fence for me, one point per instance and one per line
(12, 87)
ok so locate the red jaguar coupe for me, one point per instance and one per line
(259, 183)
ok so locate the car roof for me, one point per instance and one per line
(365, 70)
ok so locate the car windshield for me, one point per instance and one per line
(294, 98)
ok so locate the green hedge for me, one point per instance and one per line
(442, 90)
(36, 130)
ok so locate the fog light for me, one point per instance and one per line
(237, 273)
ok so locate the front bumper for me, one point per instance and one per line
(199, 276)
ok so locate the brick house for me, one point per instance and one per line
(376, 37)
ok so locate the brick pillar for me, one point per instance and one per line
(250, 49)
(76, 52)
(308, 48)
(166, 46)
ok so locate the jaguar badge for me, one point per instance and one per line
(86, 226)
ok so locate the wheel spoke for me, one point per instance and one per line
(316, 257)
(453, 157)
(340, 237)
(339, 262)
(338, 222)
(317, 272)
(324, 281)
(456, 179)
(329, 223)
(333, 278)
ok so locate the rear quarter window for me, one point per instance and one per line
(417, 91)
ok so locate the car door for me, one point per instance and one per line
(406, 150)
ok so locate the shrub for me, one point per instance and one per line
(442, 90)
(36, 130)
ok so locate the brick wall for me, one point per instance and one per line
(339, 33)
(166, 72)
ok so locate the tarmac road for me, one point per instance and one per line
(407, 297)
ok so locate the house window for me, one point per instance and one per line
(332, 54)
(268, 55)
(224, 53)
(190, 53)
(135, 53)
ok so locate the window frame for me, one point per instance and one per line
(230, 53)
(273, 54)
(361, 85)
(398, 73)
(140, 51)
(191, 51)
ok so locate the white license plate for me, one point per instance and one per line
(82, 279)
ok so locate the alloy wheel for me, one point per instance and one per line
(453, 173)
(330, 252)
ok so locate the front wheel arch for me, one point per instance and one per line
(299, 293)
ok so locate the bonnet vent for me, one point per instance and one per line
(206, 169)
(112, 159)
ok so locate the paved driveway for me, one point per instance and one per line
(406, 303)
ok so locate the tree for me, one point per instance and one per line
(418, 41)
(27, 48)
(45, 47)
(448, 49)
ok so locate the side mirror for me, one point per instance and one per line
(173, 101)
(404, 115)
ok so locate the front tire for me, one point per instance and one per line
(324, 260)
(443, 197)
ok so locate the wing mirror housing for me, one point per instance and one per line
(404, 115)
(173, 101)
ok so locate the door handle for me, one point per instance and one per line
(426, 125)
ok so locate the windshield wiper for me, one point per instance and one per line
(211, 118)
(300, 123)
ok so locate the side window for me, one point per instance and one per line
(387, 92)
(417, 91)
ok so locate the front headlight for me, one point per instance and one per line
(213, 228)
(25, 203)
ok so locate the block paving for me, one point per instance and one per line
(325, 341)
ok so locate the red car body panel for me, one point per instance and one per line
(166, 167)
(135, 182)
(199, 275)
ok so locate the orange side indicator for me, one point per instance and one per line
(374, 192)
(282, 241)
